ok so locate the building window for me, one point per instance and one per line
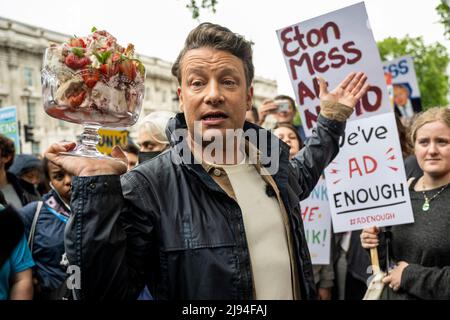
(28, 76)
(35, 148)
(31, 112)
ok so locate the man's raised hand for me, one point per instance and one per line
(348, 92)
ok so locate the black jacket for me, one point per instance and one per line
(167, 224)
(25, 191)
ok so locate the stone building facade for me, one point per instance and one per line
(21, 54)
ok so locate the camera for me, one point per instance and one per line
(283, 105)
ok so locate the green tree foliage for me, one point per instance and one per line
(430, 62)
(195, 6)
(443, 10)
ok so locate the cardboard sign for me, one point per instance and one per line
(366, 181)
(406, 90)
(9, 126)
(390, 87)
(332, 46)
(317, 223)
(110, 138)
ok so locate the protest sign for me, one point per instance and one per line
(110, 138)
(390, 87)
(364, 188)
(406, 90)
(366, 182)
(9, 126)
(333, 45)
(317, 223)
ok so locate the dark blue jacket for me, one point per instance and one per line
(48, 244)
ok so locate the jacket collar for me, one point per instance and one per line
(53, 200)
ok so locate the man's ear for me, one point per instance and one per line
(249, 98)
(180, 99)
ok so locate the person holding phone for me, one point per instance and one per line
(283, 109)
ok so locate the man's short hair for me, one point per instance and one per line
(214, 36)
(7, 148)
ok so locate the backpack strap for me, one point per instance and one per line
(33, 225)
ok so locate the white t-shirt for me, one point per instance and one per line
(265, 232)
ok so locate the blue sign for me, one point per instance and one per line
(9, 126)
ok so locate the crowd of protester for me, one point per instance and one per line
(39, 235)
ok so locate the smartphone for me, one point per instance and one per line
(283, 105)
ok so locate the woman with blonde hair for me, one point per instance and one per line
(422, 249)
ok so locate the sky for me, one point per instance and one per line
(159, 28)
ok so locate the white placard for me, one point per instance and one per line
(405, 86)
(317, 223)
(403, 71)
(366, 181)
(332, 46)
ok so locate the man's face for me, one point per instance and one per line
(286, 116)
(400, 95)
(213, 91)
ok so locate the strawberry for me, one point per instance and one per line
(109, 69)
(90, 77)
(75, 62)
(104, 69)
(76, 99)
(116, 57)
(128, 69)
(77, 43)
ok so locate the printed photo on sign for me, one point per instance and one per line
(332, 46)
(366, 182)
(406, 89)
(317, 223)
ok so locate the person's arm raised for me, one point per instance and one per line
(340, 102)
(323, 145)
